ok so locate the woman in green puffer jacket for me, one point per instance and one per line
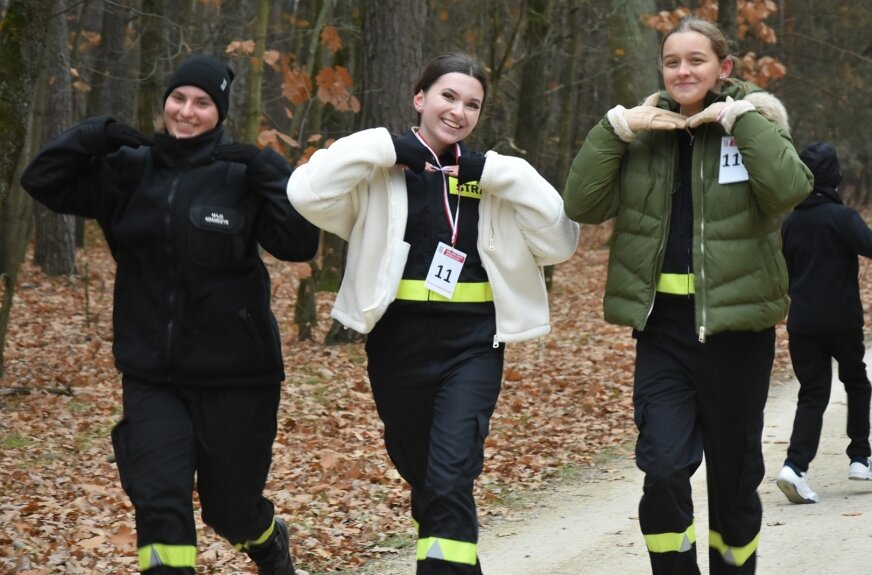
(695, 179)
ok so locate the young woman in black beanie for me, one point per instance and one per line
(195, 341)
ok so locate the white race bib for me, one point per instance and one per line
(732, 167)
(445, 270)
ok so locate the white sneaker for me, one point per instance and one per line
(795, 487)
(860, 472)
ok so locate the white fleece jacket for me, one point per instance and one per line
(354, 190)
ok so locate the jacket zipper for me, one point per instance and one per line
(171, 299)
(658, 261)
(701, 293)
(491, 246)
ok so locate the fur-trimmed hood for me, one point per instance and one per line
(769, 107)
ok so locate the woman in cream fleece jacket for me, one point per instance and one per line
(445, 256)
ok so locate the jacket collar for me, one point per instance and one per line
(736, 90)
(820, 196)
(187, 152)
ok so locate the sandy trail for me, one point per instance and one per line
(588, 525)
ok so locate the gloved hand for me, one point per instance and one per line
(412, 155)
(236, 152)
(725, 113)
(118, 134)
(471, 168)
(646, 116)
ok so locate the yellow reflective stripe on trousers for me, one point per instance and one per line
(669, 542)
(736, 556)
(157, 554)
(676, 284)
(447, 550)
(260, 540)
(465, 292)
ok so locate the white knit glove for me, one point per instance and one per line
(646, 116)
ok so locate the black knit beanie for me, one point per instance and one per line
(821, 159)
(210, 75)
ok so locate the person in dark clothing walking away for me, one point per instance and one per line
(695, 178)
(195, 339)
(822, 241)
(445, 248)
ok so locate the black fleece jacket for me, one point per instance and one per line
(192, 295)
(822, 239)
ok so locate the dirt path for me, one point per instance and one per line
(589, 525)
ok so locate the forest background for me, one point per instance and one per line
(306, 74)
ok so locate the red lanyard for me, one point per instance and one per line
(453, 222)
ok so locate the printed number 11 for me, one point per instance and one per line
(736, 160)
(447, 278)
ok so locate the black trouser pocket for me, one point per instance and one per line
(119, 447)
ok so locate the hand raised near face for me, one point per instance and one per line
(646, 116)
(725, 113)
(118, 134)
(413, 155)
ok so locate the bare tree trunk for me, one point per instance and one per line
(391, 57)
(25, 26)
(148, 104)
(112, 88)
(491, 32)
(113, 91)
(255, 73)
(531, 99)
(307, 60)
(55, 247)
(634, 50)
(568, 103)
(327, 266)
(727, 21)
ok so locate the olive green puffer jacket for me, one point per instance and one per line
(740, 278)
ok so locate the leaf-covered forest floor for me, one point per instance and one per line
(566, 399)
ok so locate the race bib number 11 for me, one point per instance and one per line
(732, 167)
(444, 270)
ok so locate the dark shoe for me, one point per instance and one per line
(274, 556)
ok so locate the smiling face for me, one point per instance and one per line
(189, 112)
(691, 69)
(449, 109)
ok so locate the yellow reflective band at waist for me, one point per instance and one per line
(466, 292)
(676, 284)
(447, 550)
(736, 556)
(671, 542)
(157, 554)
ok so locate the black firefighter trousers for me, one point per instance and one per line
(167, 436)
(691, 399)
(435, 380)
(812, 357)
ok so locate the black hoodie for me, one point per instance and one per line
(822, 239)
(192, 295)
